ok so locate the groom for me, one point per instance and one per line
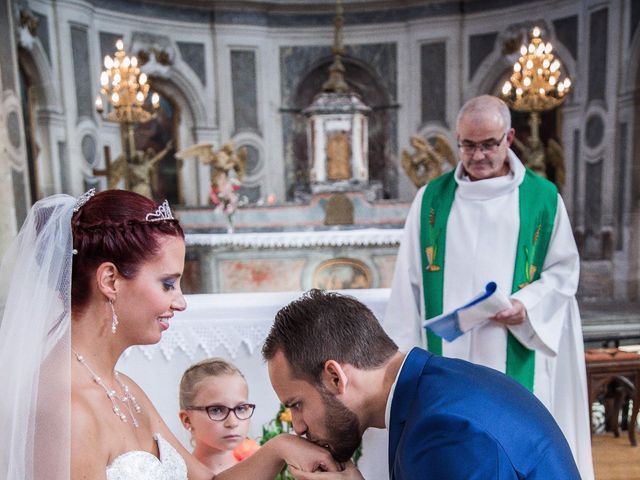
(333, 365)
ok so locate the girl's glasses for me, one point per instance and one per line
(218, 413)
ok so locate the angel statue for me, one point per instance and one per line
(428, 161)
(226, 163)
(227, 170)
(545, 161)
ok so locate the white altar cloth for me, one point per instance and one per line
(232, 326)
(363, 237)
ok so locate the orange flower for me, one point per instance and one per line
(246, 448)
(286, 416)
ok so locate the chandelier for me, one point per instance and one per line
(125, 89)
(535, 84)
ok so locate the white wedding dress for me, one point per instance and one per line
(142, 465)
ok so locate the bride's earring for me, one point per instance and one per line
(114, 318)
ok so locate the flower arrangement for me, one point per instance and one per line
(283, 423)
(224, 196)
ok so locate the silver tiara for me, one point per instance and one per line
(162, 213)
(84, 198)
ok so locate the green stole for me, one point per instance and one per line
(538, 200)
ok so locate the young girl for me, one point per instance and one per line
(215, 409)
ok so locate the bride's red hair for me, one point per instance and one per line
(112, 227)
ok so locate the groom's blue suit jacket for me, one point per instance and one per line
(451, 419)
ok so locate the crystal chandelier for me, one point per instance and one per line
(125, 89)
(535, 84)
(534, 87)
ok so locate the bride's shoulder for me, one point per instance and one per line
(83, 412)
(87, 445)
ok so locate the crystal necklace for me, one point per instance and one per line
(127, 398)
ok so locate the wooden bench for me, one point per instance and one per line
(616, 375)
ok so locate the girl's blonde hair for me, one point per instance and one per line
(211, 367)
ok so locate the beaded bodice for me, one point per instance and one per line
(142, 465)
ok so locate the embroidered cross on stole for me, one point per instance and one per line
(538, 202)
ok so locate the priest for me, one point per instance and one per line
(493, 220)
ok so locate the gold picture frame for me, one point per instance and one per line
(342, 273)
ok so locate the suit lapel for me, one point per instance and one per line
(403, 396)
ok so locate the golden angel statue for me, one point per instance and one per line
(227, 169)
(545, 161)
(225, 163)
(428, 161)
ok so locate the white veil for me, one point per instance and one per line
(35, 313)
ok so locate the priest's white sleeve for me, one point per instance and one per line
(403, 318)
(546, 299)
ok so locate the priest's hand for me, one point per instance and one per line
(515, 315)
(350, 472)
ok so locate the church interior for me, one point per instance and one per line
(291, 136)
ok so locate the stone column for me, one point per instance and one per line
(8, 85)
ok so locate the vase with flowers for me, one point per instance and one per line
(224, 195)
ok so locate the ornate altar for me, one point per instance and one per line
(289, 247)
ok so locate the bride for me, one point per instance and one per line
(84, 280)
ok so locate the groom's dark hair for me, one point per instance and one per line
(321, 326)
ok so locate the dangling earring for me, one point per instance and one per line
(114, 318)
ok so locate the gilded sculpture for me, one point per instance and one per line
(429, 160)
(338, 156)
(136, 171)
(225, 163)
(545, 161)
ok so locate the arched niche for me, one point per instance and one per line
(363, 80)
(42, 116)
(175, 122)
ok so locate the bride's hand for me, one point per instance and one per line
(350, 472)
(304, 455)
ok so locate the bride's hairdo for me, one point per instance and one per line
(115, 226)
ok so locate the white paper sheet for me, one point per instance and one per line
(474, 313)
